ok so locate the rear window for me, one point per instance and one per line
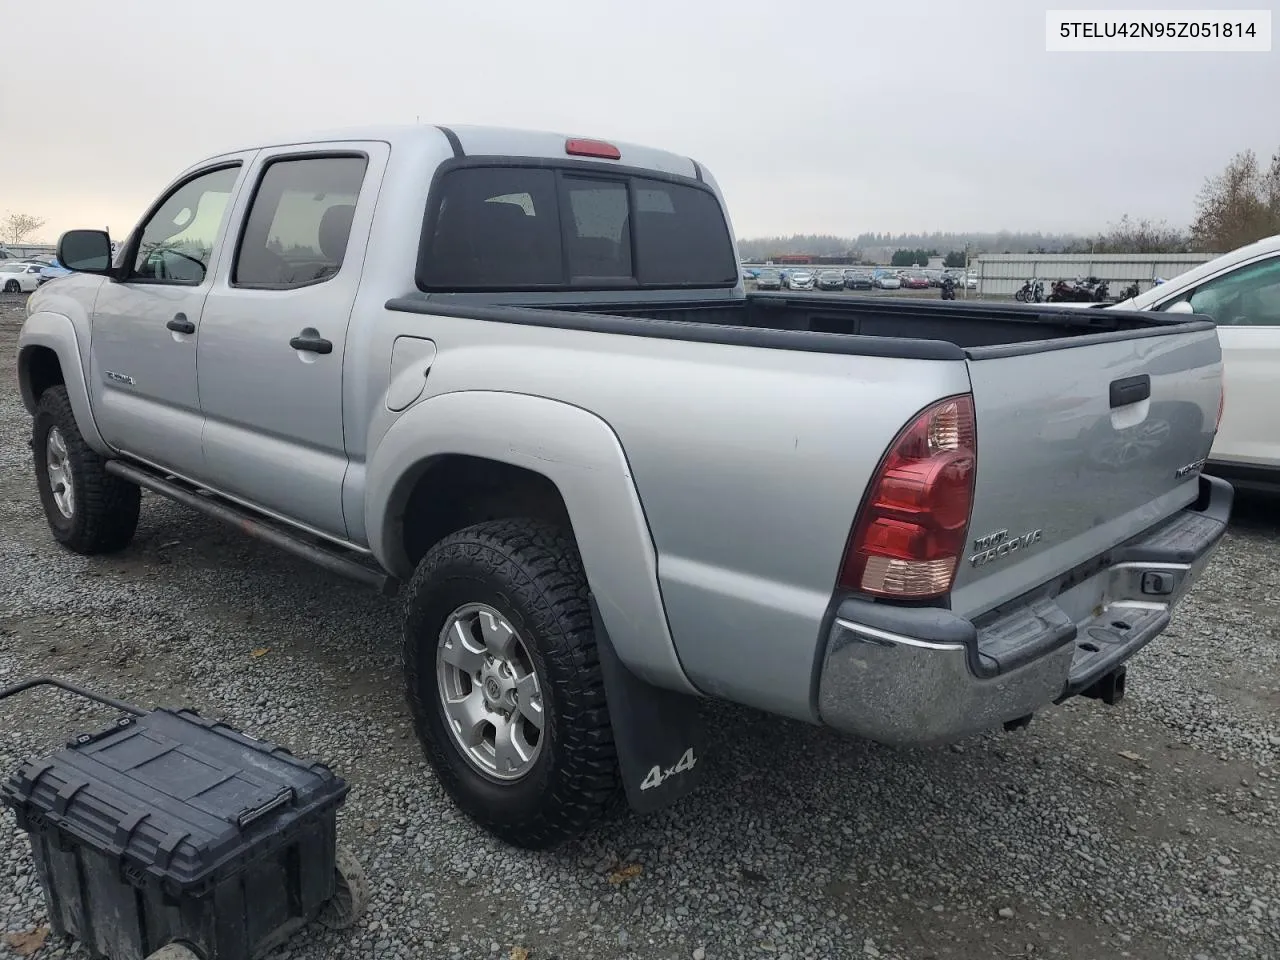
(535, 227)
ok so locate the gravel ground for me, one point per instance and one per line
(1147, 830)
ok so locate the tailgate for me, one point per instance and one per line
(1082, 444)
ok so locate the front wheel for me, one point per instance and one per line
(504, 681)
(11, 286)
(88, 510)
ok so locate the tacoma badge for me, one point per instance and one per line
(995, 546)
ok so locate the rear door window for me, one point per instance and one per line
(494, 227)
(299, 223)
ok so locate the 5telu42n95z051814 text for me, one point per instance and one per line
(1152, 31)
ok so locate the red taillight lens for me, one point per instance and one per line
(910, 534)
(592, 148)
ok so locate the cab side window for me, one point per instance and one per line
(299, 222)
(1248, 296)
(177, 239)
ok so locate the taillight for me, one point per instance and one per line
(592, 148)
(909, 537)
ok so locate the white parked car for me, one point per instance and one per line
(20, 277)
(1241, 291)
(889, 281)
(800, 280)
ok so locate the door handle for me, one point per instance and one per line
(312, 343)
(180, 324)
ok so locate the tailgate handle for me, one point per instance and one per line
(1130, 390)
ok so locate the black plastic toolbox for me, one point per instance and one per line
(167, 830)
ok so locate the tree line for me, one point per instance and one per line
(1235, 207)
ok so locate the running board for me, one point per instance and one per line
(329, 556)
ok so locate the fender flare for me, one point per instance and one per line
(57, 333)
(578, 452)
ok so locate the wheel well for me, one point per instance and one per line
(41, 370)
(457, 491)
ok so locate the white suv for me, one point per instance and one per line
(1241, 291)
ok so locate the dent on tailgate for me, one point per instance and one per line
(1062, 474)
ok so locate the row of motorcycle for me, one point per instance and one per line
(1079, 290)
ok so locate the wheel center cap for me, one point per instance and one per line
(492, 689)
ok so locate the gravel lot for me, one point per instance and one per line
(1148, 830)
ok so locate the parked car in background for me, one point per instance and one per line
(858, 280)
(1241, 292)
(20, 276)
(888, 281)
(53, 271)
(830, 280)
(768, 279)
(916, 281)
(799, 280)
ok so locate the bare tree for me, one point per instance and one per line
(1239, 205)
(1141, 236)
(18, 227)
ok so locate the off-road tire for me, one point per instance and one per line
(105, 512)
(532, 573)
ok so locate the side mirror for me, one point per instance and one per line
(85, 251)
(1182, 306)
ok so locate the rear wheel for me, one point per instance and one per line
(88, 510)
(504, 681)
(11, 286)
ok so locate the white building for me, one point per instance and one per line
(1001, 274)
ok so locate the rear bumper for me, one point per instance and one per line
(919, 676)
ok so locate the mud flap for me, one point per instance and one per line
(658, 733)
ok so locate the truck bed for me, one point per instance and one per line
(968, 326)
(1078, 451)
(877, 326)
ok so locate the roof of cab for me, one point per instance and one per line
(494, 141)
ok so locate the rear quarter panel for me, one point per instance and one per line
(749, 463)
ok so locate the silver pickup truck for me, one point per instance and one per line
(518, 375)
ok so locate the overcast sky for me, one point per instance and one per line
(834, 117)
